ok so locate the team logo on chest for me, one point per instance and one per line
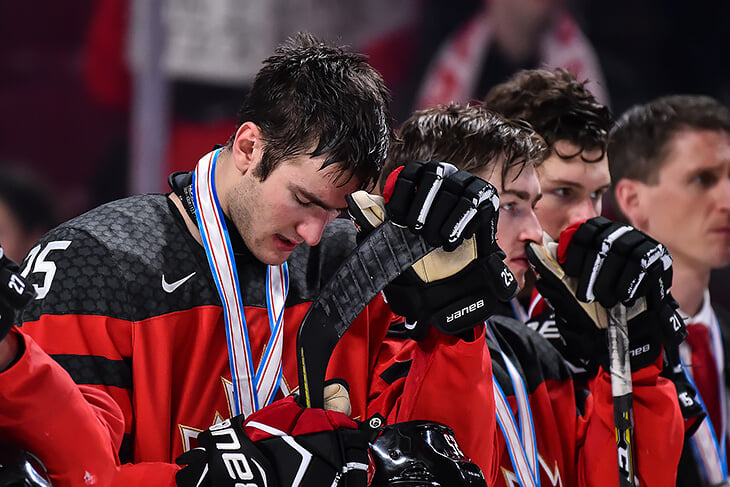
(189, 434)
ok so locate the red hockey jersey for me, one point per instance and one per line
(108, 313)
(574, 428)
(128, 308)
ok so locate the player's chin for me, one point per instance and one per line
(272, 256)
(519, 268)
(722, 257)
(520, 278)
(279, 258)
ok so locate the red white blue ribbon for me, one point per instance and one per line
(252, 389)
(520, 441)
(711, 454)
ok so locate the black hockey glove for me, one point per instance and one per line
(455, 287)
(596, 265)
(280, 445)
(15, 293)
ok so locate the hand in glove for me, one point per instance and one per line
(280, 445)
(596, 265)
(456, 286)
(14, 293)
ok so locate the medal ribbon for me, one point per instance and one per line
(520, 441)
(710, 454)
(252, 389)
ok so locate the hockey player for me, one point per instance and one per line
(574, 180)
(158, 316)
(564, 437)
(670, 164)
(575, 175)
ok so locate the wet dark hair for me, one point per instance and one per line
(311, 94)
(468, 136)
(558, 107)
(640, 140)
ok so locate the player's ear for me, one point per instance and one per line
(629, 198)
(247, 147)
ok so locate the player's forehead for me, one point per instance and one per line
(697, 148)
(521, 182)
(320, 183)
(491, 173)
(574, 171)
(688, 154)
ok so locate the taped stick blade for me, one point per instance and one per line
(380, 258)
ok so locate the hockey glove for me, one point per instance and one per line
(456, 286)
(596, 265)
(280, 445)
(15, 293)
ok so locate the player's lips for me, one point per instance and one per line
(285, 244)
(723, 229)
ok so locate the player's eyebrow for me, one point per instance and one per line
(563, 182)
(523, 195)
(315, 199)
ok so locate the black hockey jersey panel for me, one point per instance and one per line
(134, 258)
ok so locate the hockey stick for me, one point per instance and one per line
(381, 257)
(622, 391)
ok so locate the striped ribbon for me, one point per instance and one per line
(711, 455)
(252, 389)
(520, 441)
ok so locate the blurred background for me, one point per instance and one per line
(103, 98)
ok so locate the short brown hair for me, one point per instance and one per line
(468, 136)
(558, 107)
(310, 93)
(639, 142)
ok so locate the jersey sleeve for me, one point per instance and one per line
(68, 398)
(443, 379)
(75, 430)
(42, 410)
(82, 316)
(658, 431)
(356, 354)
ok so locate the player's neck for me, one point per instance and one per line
(225, 176)
(189, 223)
(688, 286)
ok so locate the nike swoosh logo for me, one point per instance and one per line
(170, 287)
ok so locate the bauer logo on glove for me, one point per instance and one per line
(456, 286)
(600, 263)
(282, 444)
